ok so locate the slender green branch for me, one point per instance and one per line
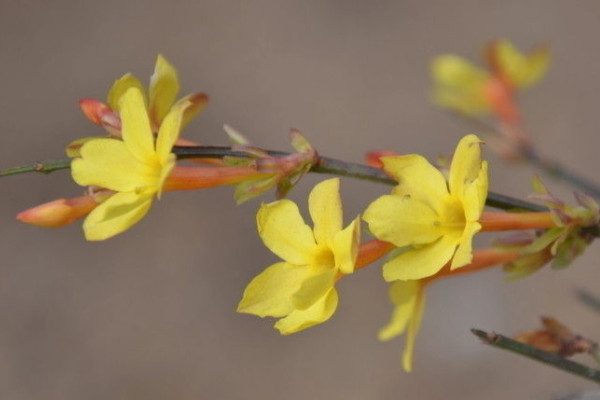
(505, 343)
(42, 167)
(552, 168)
(324, 165)
(589, 299)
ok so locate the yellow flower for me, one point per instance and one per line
(409, 301)
(431, 220)
(162, 92)
(461, 86)
(135, 168)
(160, 99)
(301, 289)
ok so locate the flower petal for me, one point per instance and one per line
(414, 324)
(459, 85)
(284, 232)
(108, 163)
(194, 104)
(270, 292)
(164, 86)
(404, 296)
(135, 126)
(168, 134)
(345, 247)
(522, 70)
(119, 88)
(464, 252)
(313, 288)
(319, 312)
(325, 208)
(115, 215)
(417, 177)
(466, 165)
(402, 220)
(418, 263)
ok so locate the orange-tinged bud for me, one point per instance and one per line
(373, 158)
(93, 110)
(59, 212)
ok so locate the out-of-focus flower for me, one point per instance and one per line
(300, 290)
(430, 219)
(468, 89)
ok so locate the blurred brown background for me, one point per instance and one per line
(150, 314)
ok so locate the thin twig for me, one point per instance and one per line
(505, 343)
(589, 299)
(325, 165)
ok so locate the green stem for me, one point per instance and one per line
(552, 168)
(324, 165)
(42, 167)
(505, 343)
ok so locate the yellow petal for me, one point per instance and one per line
(119, 88)
(466, 165)
(345, 247)
(270, 292)
(284, 232)
(522, 70)
(325, 208)
(417, 177)
(464, 252)
(421, 262)
(115, 215)
(412, 330)
(193, 105)
(402, 220)
(319, 312)
(108, 163)
(73, 149)
(404, 296)
(168, 134)
(459, 85)
(164, 86)
(313, 288)
(135, 127)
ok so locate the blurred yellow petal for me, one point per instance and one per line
(459, 85)
(414, 324)
(522, 70)
(164, 86)
(284, 232)
(404, 296)
(136, 131)
(318, 313)
(345, 247)
(115, 215)
(325, 208)
(402, 220)
(270, 292)
(313, 288)
(119, 88)
(107, 163)
(421, 262)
